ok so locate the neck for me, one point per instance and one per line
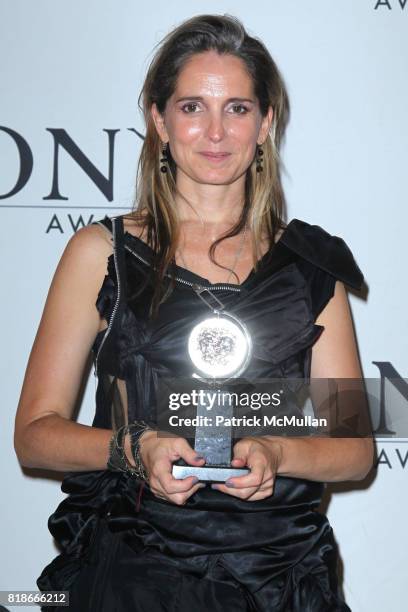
(214, 205)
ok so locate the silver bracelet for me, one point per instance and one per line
(136, 429)
(117, 460)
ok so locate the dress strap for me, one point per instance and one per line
(118, 235)
(114, 226)
(106, 223)
(114, 292)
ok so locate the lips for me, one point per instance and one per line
(214, 156)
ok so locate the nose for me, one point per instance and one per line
(215, 127)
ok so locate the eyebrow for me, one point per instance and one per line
(201, 99)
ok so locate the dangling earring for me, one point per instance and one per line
(164, 159)
(259, 159)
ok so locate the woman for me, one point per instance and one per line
(215, 109)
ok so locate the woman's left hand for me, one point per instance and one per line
(263, 457)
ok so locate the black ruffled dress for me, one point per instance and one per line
(124, 549)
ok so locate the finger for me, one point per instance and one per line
(240, 451)
(183, 495)
(240, 493)
(186, 452)
(265, 490)
(181, 498)
(263, 493)
(172, 485)
(162, 478)
(248, 493)
(159, 494)
(253, 479)
(238, 461)
(245, 493)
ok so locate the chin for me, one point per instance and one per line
(214, 178)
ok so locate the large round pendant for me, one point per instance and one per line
(220, 346)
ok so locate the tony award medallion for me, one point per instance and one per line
(220, 348)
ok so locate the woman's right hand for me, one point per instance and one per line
(158, 455)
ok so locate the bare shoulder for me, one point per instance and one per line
(93, 239)
(82, 267)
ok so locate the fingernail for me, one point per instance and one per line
(195, 479)
(229, 484)
(198, 457)
(214, 486)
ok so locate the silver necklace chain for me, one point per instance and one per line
(236, 258)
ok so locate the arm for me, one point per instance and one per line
(322, 459)
(333, 356)
(45, 436)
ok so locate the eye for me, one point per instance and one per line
(243, 109)
(187, 106)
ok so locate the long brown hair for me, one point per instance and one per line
(154, 208)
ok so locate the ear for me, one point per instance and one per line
(159, 123)
(265, 126)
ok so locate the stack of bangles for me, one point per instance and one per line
(118, 461)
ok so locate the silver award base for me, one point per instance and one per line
(214, 443)
(210, 473)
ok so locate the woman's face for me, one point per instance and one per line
(213, 121)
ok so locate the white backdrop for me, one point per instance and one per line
(78, 67)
